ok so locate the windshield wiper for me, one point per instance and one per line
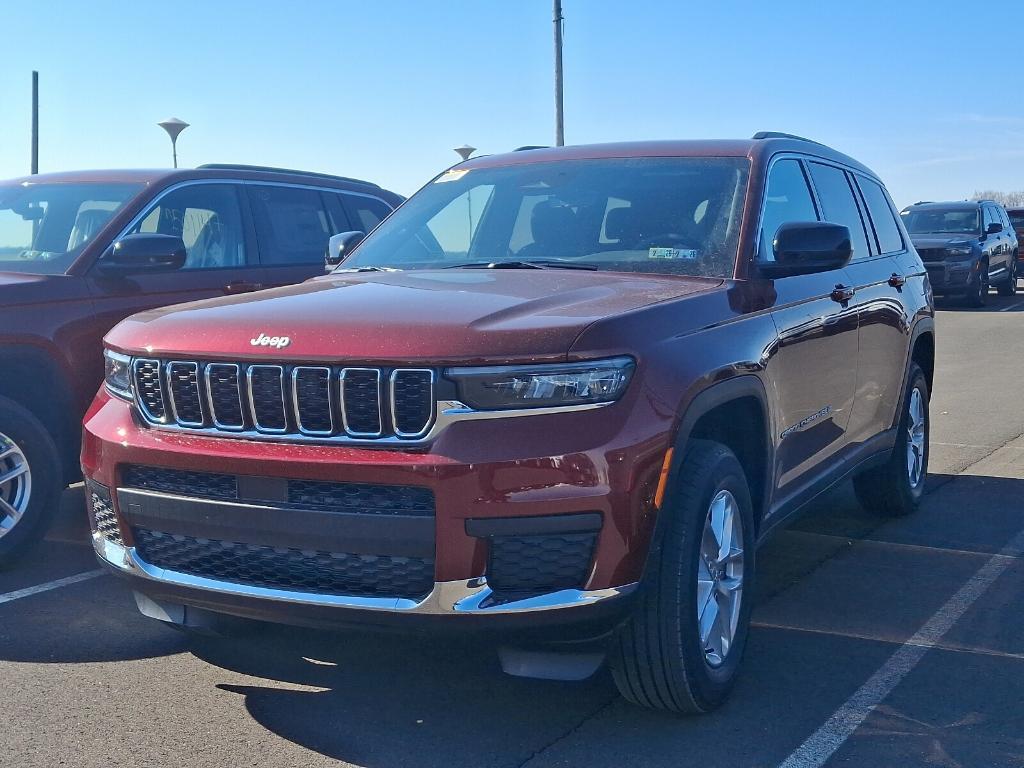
(535, 264)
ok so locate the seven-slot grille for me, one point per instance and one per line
(299, 400)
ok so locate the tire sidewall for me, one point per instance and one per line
(44, 463)
(679, 570)
(913, 494)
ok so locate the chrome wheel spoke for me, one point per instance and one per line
(15, 484)
(720, 578)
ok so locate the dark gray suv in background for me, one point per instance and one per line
(966, 246)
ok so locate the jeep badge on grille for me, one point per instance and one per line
(270, 341)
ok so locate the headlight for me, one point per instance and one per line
(543, 386)
(117, 374)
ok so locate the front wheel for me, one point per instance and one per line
(896, 487)
(681, 649)
(30, 480)
(1009, 288)
(977, 291)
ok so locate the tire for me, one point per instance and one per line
(28, 498)
(977, 292)
(1009, 287)
(895, 489)
(658, 660)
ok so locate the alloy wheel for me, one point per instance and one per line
(720, 578)
(15, 484)
(916, 435)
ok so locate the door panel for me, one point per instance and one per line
(220, 254)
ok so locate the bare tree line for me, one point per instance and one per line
(1006, 199)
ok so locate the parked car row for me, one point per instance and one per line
(580, 464)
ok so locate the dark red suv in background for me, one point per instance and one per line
(80, 251)
(561, 394)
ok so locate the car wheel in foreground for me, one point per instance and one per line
(1009, 287)
(681, 649)
(30, 481)
(897, 486)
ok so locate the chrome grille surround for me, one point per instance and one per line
(287, 402)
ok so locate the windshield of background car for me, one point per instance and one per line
(666, 215)
(44, 227)
(958, 221)
(1016, 219)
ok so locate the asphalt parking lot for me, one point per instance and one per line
(875, 642)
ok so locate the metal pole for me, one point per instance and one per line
(559, 124)
(35, 122)
(174, 150)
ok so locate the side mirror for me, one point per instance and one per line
(994, 228)
(804, 248)
(340, 246)
(145, 252)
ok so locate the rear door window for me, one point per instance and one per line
(888, 231)
(292, 224)
(839, 205)
(786, 199)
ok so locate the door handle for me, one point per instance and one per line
(242, 286)
(897, 281)
(842, 294)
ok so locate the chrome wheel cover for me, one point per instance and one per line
(15, 484)
(916, 436)
(720, 578)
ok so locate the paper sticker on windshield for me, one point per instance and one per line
(452, 175)
(679, 254)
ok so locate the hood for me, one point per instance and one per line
(942, 241)
(436, 316)
(18, 289)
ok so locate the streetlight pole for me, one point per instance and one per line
(35, 122)
(174, 127)
(559, 123)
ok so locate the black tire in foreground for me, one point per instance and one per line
(1009, 286)
(681, 649)
(31, 480)
(896, 487)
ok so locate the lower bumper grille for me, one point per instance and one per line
(101, 512)
(293, 569)
(541, 563)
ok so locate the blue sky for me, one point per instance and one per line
(384, 90)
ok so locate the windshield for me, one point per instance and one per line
(667, 215)
(43, 227)
(959, 221)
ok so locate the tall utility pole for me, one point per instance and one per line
(559, 125)
(35, 122)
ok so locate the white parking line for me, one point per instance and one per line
(67, 581)
(823, 743)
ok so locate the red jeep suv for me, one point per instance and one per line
(81, 251)
(560, 394)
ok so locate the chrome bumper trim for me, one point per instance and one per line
(447, 597)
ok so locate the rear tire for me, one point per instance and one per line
(31, 480)
(671, 654)
(1009, 288)
(896, 487)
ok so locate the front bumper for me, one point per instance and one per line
(952, 276)
(475, 479)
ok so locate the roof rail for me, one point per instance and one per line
(779, 135)
(526, 147)
(272, 169)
